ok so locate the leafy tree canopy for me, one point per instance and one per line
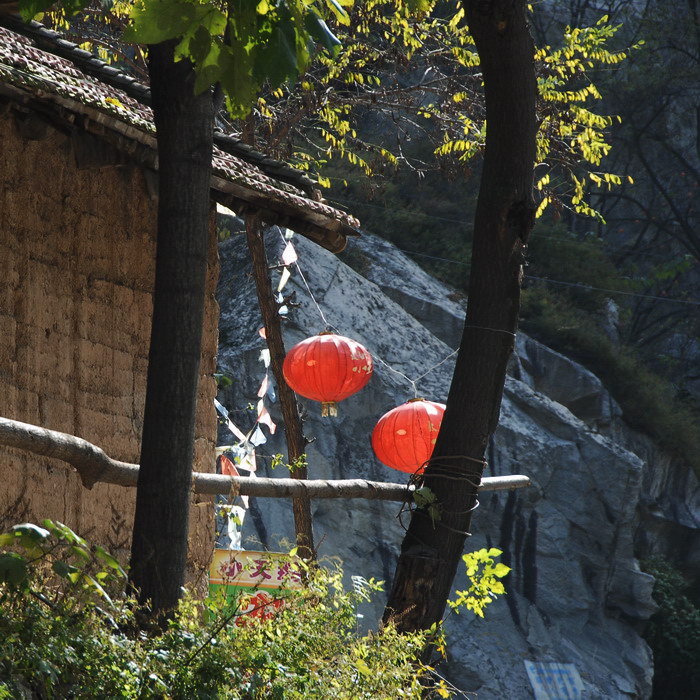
(408, 66)
(244, 47)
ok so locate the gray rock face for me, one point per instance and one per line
(575, 593)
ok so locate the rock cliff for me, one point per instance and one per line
(576, 594)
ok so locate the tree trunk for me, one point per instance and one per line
(504, 215)
(184, 123)
(293, 430)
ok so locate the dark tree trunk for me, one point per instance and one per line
(431, 552)
(293, 429)
(184, 123)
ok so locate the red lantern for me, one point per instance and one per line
(404, 437)
(327, 368)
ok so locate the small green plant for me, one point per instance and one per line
(483, 573)
(63, 635)
(426, 498)
(86, 569)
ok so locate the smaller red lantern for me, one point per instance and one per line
(327, 368)
(404, 437)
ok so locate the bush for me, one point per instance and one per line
(66, 631)
(673, 634)
(648, 402)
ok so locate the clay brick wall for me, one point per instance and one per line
(77, 264)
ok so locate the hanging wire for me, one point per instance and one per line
(313, 298)
(328, 325)
(578, 285)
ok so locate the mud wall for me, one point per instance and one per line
(77, 247)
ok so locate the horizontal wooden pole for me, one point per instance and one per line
(93, 466)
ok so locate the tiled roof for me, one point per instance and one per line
(38, 63)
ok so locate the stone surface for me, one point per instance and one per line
(576, 593)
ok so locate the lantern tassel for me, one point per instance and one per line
(329, 408)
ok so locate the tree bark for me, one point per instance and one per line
(184, 124)
(293, 429)
(504, 215)
(93, 466)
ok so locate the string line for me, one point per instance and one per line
(675, 300)
(328, 325)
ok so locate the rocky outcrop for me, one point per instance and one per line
(575, 594)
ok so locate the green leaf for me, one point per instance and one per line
(13, 569)
(98, 589)
(500, 570)
(31, 532)
(63, 569)
(362, 667)
(423, 497)
(339, 11)
(81, 552)
(419, 6)
(200, 45)
(63, 532)
(28, 536)
(107, 558)
(156, 21)
(31, 8)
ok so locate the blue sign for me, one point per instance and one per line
(554, 681)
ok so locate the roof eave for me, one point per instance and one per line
(326, 231)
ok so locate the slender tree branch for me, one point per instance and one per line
(93, 466)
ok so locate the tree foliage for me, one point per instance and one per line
(673, 633)
(391, 74)
(67, 630)
(240, 46)
(401, 78)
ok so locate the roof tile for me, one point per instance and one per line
(45, 75)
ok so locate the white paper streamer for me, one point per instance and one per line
(248, 463)
(258, 437)
(265, 418)
(234, 529)
(264, 385)
(289, 255)
(286, 274)
(236, 430)
(221, 409)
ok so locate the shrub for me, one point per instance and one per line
(673, 634)
(648, 402)
(66, 631)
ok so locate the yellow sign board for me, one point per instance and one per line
(257, 579)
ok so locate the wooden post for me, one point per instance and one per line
(293, 429)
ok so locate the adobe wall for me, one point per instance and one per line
(76, 274)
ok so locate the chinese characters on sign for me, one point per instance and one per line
(260, 578)
(554, 681)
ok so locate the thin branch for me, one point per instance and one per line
(93, 465)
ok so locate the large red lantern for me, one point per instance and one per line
(404, 437)
(327, 368)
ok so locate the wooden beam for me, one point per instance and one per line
(93, 466)
(293, 427)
